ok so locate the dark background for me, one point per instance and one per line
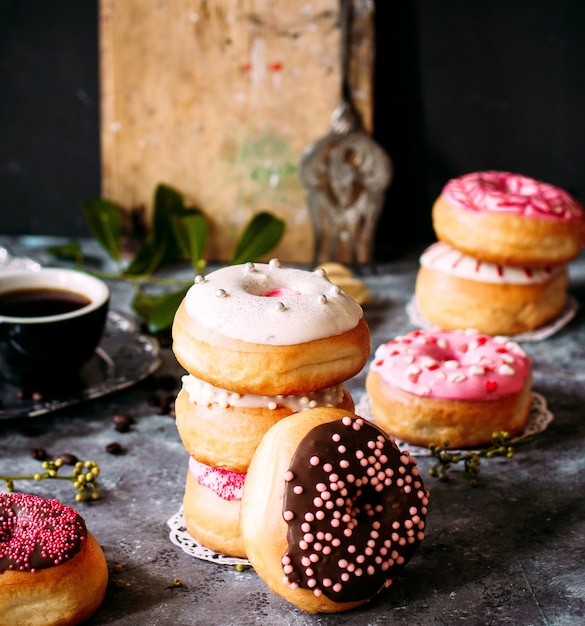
(461, 86)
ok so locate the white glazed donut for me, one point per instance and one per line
(454, 290)
(223, 428)
(268, 330)
(450, 386)
(509, 219)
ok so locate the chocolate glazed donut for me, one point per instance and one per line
(356, 554)
(332, 510)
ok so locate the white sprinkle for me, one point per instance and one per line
(506, 370)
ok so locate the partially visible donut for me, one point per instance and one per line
(455, 387)
(454, 291)
(211, 506)
(331, 511)
(52, 569)
(223, 429)
(268, 330)
(509, 219)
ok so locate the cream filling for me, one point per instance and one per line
(204, 394)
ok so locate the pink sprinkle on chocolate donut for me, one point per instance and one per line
(36, 533)
(348, 551)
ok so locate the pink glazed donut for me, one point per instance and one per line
(509, 219)
(457, 387)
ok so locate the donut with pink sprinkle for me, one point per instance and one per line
(52, 569)
(450, 387)
(332, 510)
(509, 219)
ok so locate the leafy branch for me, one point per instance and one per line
(471, 459)
(83, 476)
(178, 233)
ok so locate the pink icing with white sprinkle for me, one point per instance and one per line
(453, 365)
(227, 484)
(503, 192)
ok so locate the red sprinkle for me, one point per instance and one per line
(37, 533)
(491, 385)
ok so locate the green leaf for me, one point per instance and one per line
(158, 311)
(263, 233)
(103, 219)
(161, 248)
(68, 251)
(191, 229)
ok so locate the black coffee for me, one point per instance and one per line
(39, 302)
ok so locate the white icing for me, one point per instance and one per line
(443, 258)
(231, 301)
(204, 394)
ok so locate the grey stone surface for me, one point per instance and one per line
(509, 551)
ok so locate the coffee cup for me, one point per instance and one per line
(51, 322)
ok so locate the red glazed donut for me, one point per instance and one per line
(509, 219)
(52, 569)
(455, 291)
(450, 386)
(331, 510)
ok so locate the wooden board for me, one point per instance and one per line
(219, 99)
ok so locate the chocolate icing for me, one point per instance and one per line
(355, 508)
(36, 533)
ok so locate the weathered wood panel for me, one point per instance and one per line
(219, 99)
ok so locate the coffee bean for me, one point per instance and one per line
(123, 422)
(40, 454)
(115, 448)
(69, 459)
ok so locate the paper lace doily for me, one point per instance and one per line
(564, 317)
(538, 421)
(179, 535)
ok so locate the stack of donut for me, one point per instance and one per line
(500, 265)
(259, 342)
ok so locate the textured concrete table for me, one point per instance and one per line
(509, 551)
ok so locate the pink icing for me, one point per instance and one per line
(452, 365)
(227, 484)
(502, 192)
(283, 291)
